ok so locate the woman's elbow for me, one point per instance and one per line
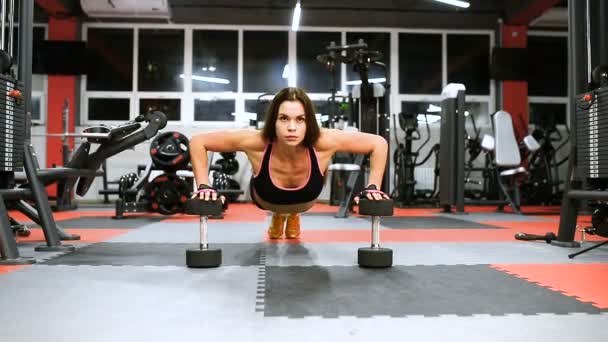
(197, 143)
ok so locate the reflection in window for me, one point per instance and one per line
(420, 63)
(375, 42)
(258, 107)
(265, 61)
(214, 60)
(547, 114)
(161, 60)
(312, 75)
(36, 108)
(169, 107)
(213, 110)
(109, 109)
(469, 62)
(110, 53)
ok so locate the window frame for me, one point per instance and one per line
(187, 96)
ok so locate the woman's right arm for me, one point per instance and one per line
(219, 141)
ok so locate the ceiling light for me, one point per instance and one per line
(208, 79)
(463, 4)
(371, 80)
(295, 22)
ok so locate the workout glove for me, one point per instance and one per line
(371, 190)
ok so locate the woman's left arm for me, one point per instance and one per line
(361, 143)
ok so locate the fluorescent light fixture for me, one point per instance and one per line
(466, 113)
(285, 71)
(432, 118)
(371, 80)
(208, 79)
(433, 109)
(458, 3)
(295, 22)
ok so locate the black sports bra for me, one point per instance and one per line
(264, 187)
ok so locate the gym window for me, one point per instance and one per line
(110, 53)
(215, 60)
(161, 60)
(170, 107)
(265, 67)
(469, 62)
(213, 110)
(109, 109)
(420, 63)
(376, 41)
(312, 75)
(258, 107)
(547, 66)
(547, 113)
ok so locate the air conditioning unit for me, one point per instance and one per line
(153, 9)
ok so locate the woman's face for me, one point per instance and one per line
(291, 123)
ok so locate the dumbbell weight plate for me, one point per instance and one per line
(375, 257)
(376, 208)
(203, 258)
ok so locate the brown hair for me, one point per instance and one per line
(292, 94)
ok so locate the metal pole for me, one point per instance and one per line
(3, 23)
(375, 231)
(203, 227)
(11, 26)
(26, 20)
(576, 85)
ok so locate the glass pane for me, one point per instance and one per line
(420, 63)
(469, 62)
(376, 42)
(109, 109)
(215, 60)
(548, 66)
(110, 59)
(264, 61)
(213, 110)
(258, 107)
(36, 108)
(478, 111)
(312, 75)
(39, 36)
(170, 107)
(548, 114)
(161, 60)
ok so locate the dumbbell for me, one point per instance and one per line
(375, 256)
(204, 256)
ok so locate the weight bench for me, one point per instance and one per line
(507, 157)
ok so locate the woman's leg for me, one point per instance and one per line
(277, 223)
(292, 227)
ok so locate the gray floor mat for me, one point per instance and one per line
(150, 254)
(431, 222)
(106, 222)
(402, 291)
(489, 217)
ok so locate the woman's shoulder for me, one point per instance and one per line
(327, 139)
(253, 140)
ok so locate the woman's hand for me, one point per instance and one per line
(372, 193)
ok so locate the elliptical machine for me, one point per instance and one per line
(406, 160)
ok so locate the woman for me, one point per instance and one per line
(289, 157)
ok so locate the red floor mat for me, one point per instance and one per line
(237, 212)
(9, 269)
(586, 282)
(539, 228)
(86, 235)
